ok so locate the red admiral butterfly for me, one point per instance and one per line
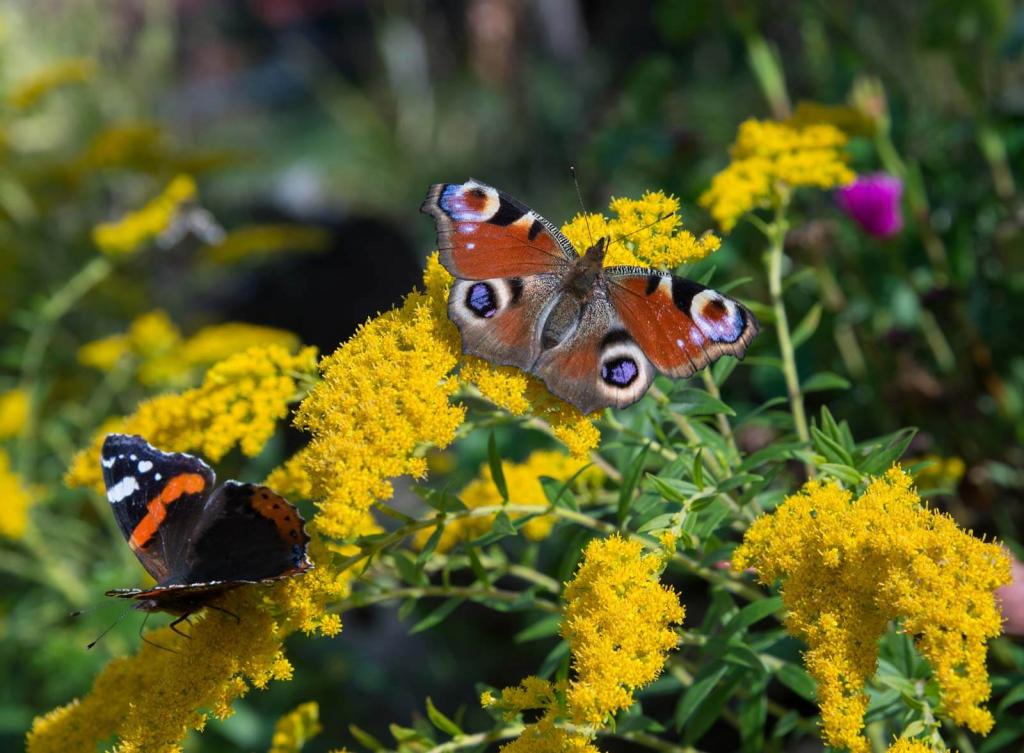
(196, 541)
(524, 297)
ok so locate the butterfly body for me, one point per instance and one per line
(196, 540)
(596, 335)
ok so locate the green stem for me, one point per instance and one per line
(464, 592)
(724, 427)
(39, 340)
(776, 240)
(480, 738)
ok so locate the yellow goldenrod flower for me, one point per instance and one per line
(59, 74)
(618, 622)
(239, 402)
(545, 737)
(16, 501)
(769, 159)
(152, 699)
(848, 567)
(13, 412)
(129, 233)
(296, 728)
(905, 745)
(524, 488)
(259, 240)
(850, 120)
(651, 230)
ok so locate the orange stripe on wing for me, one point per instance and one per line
(156, 509)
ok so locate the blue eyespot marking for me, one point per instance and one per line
(481, 301)
(620, 372)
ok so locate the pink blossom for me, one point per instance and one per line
(873, 201)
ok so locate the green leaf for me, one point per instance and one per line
(629, 481)
(894, 445)
(431, 545)
(409, 570)
(711, 709)
(825, 380)
(703, 684)
(846, 474)
(694, 402)
(553, 659)
(503, 524)
(673, 489)
(365, 738)
(441, 721)
(437, 616)
(830, 448)
(796, 679)
(753, 714)
(807, 325)
(497, 475)
(545, 627)
(440, 500)
(723, 368)
(477, 566)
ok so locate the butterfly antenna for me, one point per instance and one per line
(583, 208)
(641, 229)
(109, 628)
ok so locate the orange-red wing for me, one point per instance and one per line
(483, 233)
(680, 325)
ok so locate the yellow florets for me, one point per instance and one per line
(646, 231)
(296, 728)
(239, 403)
(55, 76)
(771, 158)
(129, 233)
(849, 566)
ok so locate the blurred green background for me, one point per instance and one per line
(338, 114)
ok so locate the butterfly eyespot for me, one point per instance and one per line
(481, 300)
(620, 372)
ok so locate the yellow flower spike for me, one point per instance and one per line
(239, 403)
(545, 737)
(849, 567)
(55, 76)
(524, 488)
(152, 699)
(13, 412)
(618, 622)
(136, 228)
(769, 159)
(296, 728)
(16, 501)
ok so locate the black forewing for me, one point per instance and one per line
(140, 479)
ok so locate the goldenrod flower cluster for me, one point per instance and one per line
(152, 699)
(906, 745)
(769, 160)
(239, 403)
(258, 240)
(850, 566)
(522, 481)
(165, 357)
(14, 406)
(295, 728)
(16, 501)
(619, 625)
(62, 73)
(128, 234)
(646, 231)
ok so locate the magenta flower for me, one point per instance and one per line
(873, 201)
(1012, 600)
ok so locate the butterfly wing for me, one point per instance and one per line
(499, 319)
(245, 533)
(154, 496)
(682, 326)
(483, 233)
(596, 363)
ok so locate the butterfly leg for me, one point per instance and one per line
(183, 618)
(238, 620)
(144, 639)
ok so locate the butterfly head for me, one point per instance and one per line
(594, 257)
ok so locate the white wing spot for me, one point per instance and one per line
(680, 343)
(122, 489)
(133, 458)
(108, 463)
(157, 476)
(470, 246)
(145, 466)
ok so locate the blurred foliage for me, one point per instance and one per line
(325, 110)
